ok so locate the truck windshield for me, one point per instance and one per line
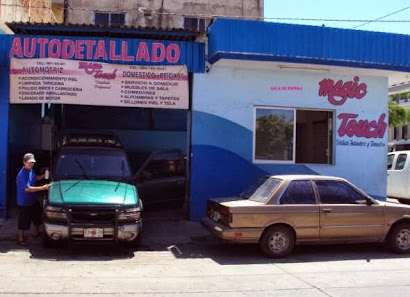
(107, 165)
(265, 191)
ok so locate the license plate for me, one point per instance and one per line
(216, 216)
(93, 232)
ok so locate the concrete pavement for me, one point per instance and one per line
(178, 258)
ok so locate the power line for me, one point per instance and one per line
(400, 10)
(211, 16)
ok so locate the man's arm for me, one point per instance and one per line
(37, 189)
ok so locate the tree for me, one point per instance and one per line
(398, 115)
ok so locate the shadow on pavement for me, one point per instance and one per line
(239, 254)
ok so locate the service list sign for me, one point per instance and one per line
(93, 83)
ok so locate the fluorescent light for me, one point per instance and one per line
(289, 67)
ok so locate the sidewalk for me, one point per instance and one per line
(159, 228)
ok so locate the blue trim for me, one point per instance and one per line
(265, 41)
(4, 129)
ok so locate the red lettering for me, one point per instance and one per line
(16, 49)
(158, 57)
(100, 52)
(113, 55)
(89, 44)
(68, 49)
(42, 42)
(54, 48)
(29, 52)
(350, 89)
(173, 53)
(142, 53)
(79, 49)
(124, 52)
(361, 128)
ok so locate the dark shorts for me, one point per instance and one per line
(28, 214)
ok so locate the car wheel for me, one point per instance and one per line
(134, 243)
(404, 201)
(399, 239)
(277, 241)
(47, 241)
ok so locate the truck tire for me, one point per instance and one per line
(47, 241)
(399, 238)
(277, 241)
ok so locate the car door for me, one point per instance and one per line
(390, 164)
(398, 177)
(161, 180)
(344, 213)
(299, 206)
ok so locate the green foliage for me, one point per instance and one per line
(274, 137)
(398, 115)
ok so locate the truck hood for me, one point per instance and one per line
(96, 192)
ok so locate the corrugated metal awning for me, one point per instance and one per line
(104, 31)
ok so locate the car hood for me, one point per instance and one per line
(95, 192)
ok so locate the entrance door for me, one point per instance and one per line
(345, 215)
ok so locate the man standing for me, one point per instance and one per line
(29, 208)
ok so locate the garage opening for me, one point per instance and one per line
(155, 140)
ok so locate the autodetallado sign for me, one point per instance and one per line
(93, 83)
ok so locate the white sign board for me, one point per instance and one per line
(93, 83)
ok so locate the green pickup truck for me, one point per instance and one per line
(92, 199)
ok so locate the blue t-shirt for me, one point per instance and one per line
(25, 178)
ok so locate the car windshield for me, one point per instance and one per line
(93, 164)
(253, 187)
(265, 191)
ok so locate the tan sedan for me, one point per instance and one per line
(284, 210)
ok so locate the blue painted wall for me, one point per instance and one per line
(223, 129)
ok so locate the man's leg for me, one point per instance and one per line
(36, 218)
(23, 223)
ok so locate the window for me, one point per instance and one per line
(274, 130)
(266, 190)
(194, 24)
(299, 192)
(109, 18)
(334, 192)
(164, 165)
(293, 135)
(401, 161)
(390, 159)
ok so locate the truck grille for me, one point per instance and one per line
(93, 215)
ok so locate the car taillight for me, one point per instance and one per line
(226, 217)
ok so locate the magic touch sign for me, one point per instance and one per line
(93, 83)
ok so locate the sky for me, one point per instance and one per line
(342, 10)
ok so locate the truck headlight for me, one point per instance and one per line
(130, 214)
(55, 213)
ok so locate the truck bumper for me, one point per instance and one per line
(126, 232)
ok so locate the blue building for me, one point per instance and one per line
(273, 99)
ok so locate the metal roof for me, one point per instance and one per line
(122, 31)
(265, 41)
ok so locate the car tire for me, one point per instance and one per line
(47, 241)
(404, 201)
(399, 239)
(277, 241)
